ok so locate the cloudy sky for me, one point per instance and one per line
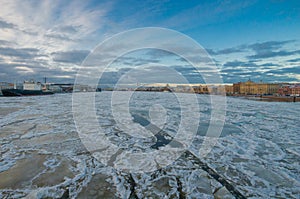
(246, 39)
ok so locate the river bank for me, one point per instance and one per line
(270, 98)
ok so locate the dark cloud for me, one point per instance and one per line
(269, 45)
(239, 63)
(211, 51)
(269, 64)
(270, 49)
(262, 50)
(24, 53)
(198, 59)
(29, 63)
(4, 24)
(231, 75)
(112, 77)
(256, 77)
(14, 72)
(193, 75)
(135, 61)
(109, 78)
(5, 43)
(225, 51)
(294, 60)
(190, 68)
(295, 70)
(240, 72)
(75, 56)
(269, 54)
(59, 37)
(158, 54)
(152, 74)
(237, 70)
(184, 69)
(231, 71)
(232, 50)
(69, 29)
(246, 65)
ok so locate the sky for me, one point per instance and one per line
(245, 39)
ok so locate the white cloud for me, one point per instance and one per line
(34, 21)
(48, 27)
(24, 69)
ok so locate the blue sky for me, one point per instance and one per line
(246, 39)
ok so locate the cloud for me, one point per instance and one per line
(268, 45)
(262, 50)
(226, 51)
(270, 49)
(20, 72)
(158, 54)
(294, 70)
(45, 42)
(69, 29)
(237, 76)
(24, 69)
(153, 73)
(270, 64)
(239, 63)
(74, 56)
(231, 70)
(135, 61)
(5, 43)
(269, 54)
(294, 60)
(58, 36)
(4, 24)
(24, 53)
(52, 23)
(36, 34)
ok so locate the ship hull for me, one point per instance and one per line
(19, 92)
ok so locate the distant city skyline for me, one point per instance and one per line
(246, 39)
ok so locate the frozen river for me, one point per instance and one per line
(257, 153)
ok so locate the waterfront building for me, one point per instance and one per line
(252, 88)
(185, 88)
(289, 90)
(229, 89)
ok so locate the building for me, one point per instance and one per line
(229, 89)
(236, 88)
(185, 89)
(289, 90)
(251, 88)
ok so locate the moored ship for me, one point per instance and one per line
(29, 88)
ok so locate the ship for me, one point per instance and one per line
(30, 88)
